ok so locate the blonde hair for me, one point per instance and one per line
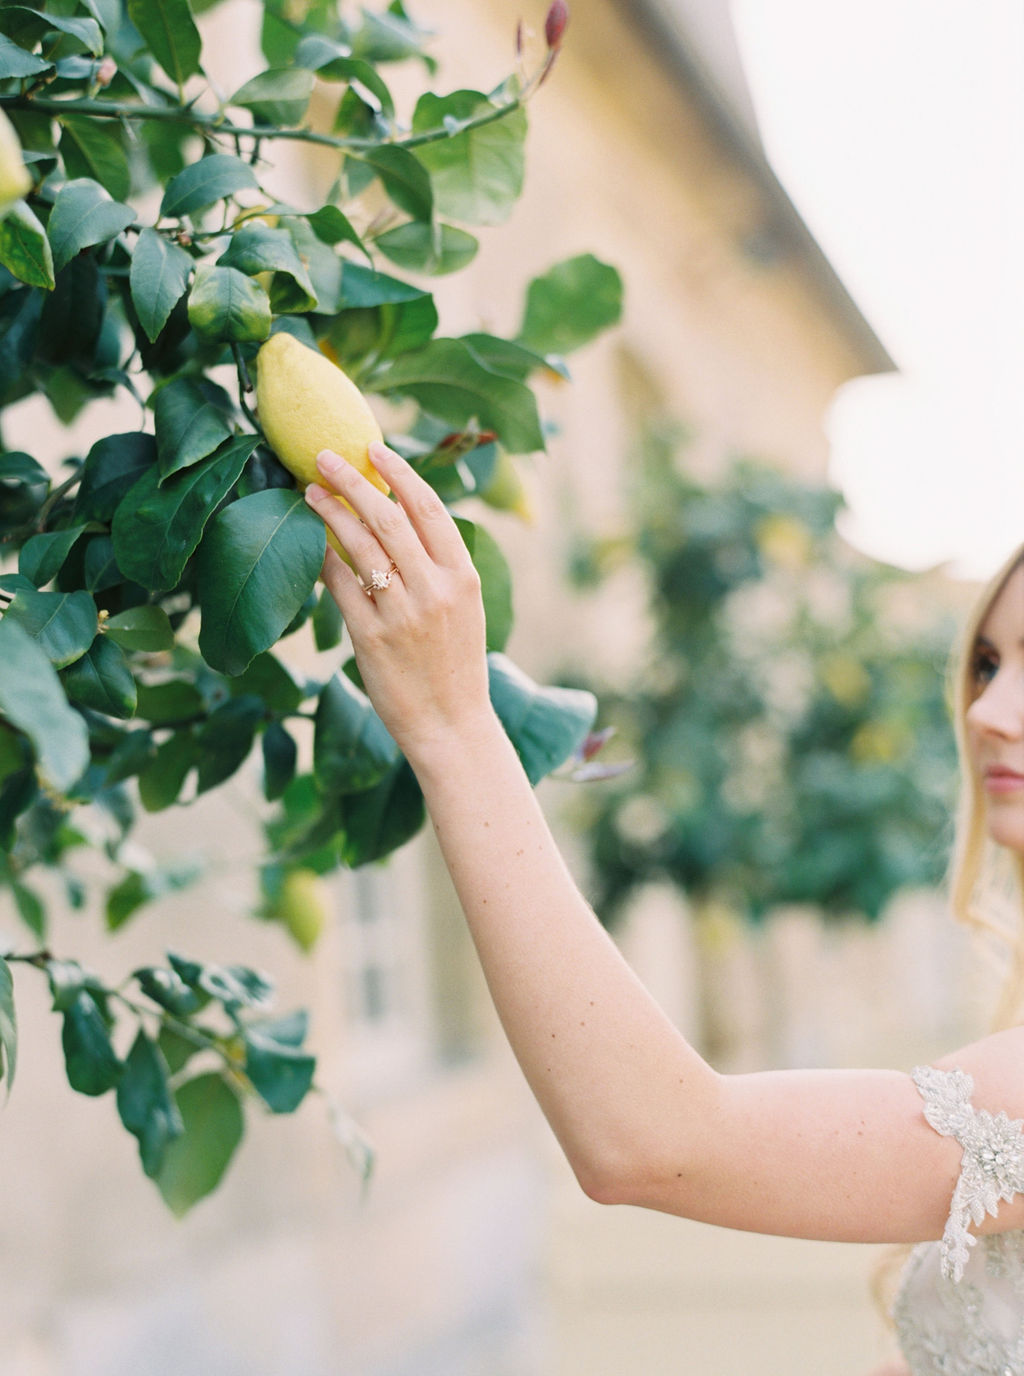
(986, 881)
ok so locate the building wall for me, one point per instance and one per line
(472, 1253)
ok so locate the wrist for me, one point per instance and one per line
(457, 748)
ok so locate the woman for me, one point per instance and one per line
(863, 1156)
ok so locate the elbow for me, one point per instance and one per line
(627, 1178)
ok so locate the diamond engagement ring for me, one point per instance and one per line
(381, 580)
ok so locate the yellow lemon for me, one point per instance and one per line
(15, 181)
(305, 404)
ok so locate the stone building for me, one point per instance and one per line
(470, 1254)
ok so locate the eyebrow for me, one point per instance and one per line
(983, 642)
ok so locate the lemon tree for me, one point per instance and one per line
(148, 579)
(790, 731)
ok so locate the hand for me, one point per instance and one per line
(420, 641)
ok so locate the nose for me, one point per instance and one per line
(999, 710)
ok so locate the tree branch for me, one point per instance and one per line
(217, 124)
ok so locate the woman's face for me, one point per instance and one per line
(995, 718)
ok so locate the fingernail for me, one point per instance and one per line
(328, 462)
(314, 493)
(377, 451)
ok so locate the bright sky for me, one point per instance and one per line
(897, 127)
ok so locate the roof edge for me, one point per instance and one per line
(667, 42)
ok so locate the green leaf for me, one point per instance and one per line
(102, 680)
(112, 467)
(450, 382)
(225, 304)
(42, 557)
(512, 359)
(280, 755)
(431, 248)
(63, 624)
(477, 174)
(389, 36)
(67, 979)
(281, 1074)
(404, 178)
(70, 326)
(169, 990)
(332, 62)
(99, 566)
(259, 248)
(8, 1026)
(141, 628)
(188, 427)
(327, 623)
(84, 215)
(377, 822)
(30, 909)
(144, 1102)
(268, 679)
(32, 699)
(225, 739)
(171, 35)
(158, 526)
(332, 227)
(23, 488)
(132, 753)
(177, 1050)
(162, 780)
(495, 580)
(203, 183)
(570, 305)
(24, 248)
(212, 1127)
(174, 700)
(92, 1064)
(86, 31)
(96, 148)
(352, 750)
(158, 278)
(16, 62)
(258, 562)
(277, 96)
(546, 725)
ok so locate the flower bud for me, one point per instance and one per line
(554, 24)
(106, 71)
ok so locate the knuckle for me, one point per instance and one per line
(391, 520)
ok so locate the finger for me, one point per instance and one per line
(427, 514)
(361, 546)
(386, 519)
(342, 582)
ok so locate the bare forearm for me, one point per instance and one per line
(600, 1056)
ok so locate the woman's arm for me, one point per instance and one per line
(643, 1119)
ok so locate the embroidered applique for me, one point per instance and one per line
(961, 1313)
(992, 1168)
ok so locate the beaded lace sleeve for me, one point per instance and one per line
(992, 1167)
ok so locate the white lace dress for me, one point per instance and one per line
(960, 1308)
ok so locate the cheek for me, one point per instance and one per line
(972, 738)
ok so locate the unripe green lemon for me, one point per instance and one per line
(302, 906)
(15, 180)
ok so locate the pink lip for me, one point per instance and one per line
(1000, 779)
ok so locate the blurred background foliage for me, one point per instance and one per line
(789, 729)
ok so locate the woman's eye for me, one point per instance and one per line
(984, 668)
